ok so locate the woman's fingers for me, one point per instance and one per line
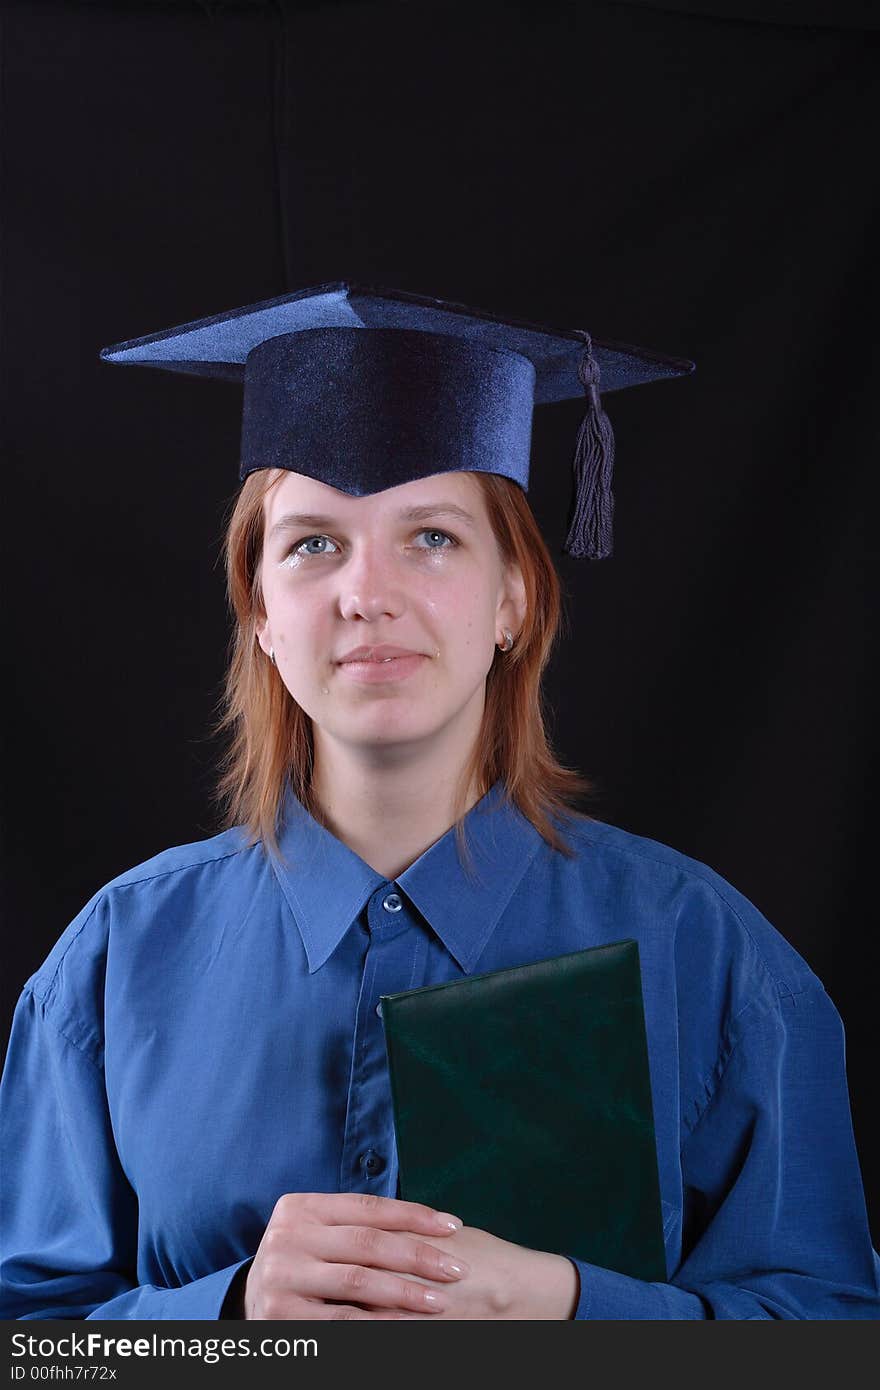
(354, 1283)
(292, 1308)
(329, 1250)
(365, 1209)
(344, 1312)
(369, 1245)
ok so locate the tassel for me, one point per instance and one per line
(589, 536)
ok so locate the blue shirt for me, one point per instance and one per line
(204, 1037)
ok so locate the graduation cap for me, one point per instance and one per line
(365, 388)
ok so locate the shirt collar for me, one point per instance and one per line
(327, 885)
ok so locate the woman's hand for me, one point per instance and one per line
(328, 1255)
(506, 1280)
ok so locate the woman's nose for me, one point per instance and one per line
(372, 583)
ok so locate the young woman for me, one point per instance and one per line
(196, 1112)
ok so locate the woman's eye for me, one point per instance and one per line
(444, 534)
(325, 541)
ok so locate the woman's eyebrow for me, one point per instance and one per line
(425, 512)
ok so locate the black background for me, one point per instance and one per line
(699, 178)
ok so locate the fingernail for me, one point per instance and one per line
(452, 1223)
(449, 1267)
(432, 1300)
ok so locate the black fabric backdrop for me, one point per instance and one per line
(700, 179)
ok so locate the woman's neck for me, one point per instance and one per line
(388, 815)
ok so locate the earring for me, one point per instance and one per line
(272, 656)
(508, 640)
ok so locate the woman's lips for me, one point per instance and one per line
(380, 672)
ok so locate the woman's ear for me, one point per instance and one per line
(262, 631)
(513, 605)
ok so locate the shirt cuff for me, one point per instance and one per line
(608, 1296)
(203, 1299)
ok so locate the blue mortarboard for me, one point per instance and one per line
(365, 388)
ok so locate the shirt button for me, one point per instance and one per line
(392, 903)
(372, 1164)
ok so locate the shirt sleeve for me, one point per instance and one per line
(68, 1215)
(774, 1220)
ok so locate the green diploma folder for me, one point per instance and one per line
(522, 1102)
